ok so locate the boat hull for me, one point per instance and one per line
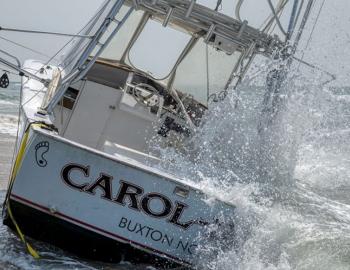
(102, 207)
(43, 226)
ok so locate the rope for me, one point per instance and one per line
(275, 15)
(218, 4)
(37, 93)
(9, 72)
(299, 12)
(50, 57)
(270, 19)
(23, 47)
(16, 167)
(301, 60)
(17, 162)
(312, 31)
(43, 32)
(81, 30)
(70, 40)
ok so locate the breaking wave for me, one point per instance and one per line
(289, 180)
(8, 124)
(9, 100)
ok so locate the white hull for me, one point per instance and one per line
(90, 189)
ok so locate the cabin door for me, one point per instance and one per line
(94, 107)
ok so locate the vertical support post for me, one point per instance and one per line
(210, 32)
(292, 20)
(168, 16)
(190, 8)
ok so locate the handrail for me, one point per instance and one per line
(13, 57)
(22, 72)
(273, 9)
(201, 21)
(332, 76)
(238, 10)
(279, 8)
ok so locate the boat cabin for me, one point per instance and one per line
(150, 74)
(118, 110)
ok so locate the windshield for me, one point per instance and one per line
(170, 56)
(119, 44)
(204, 71)
(157, 43)
(259, 15)
(157, 49)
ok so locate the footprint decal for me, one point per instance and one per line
(40, 150)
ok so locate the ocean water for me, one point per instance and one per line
(9, 99)
(289, 180)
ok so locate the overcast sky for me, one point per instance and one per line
(330, 46)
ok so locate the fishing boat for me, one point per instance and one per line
(84, 178)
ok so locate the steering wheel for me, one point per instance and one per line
(145, 94)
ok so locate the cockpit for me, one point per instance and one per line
(151, 73)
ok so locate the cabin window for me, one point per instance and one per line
(193, 77)
(118, 45)
(69, 98)
(157, 49)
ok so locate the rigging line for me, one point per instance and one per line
(298, 15)
(302, 25)
(71, 39)
(78, 52)
(276, 17)
(22, 46)
(9, 72)
(280, 12)
(51, 58)
(35, 95)
(270, 19)
(218, 4)
(88, 27)
(64, 46)
(315, 67)
(43, 32)
(312, 31)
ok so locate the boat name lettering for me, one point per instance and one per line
(157, 236)
(129, 195)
